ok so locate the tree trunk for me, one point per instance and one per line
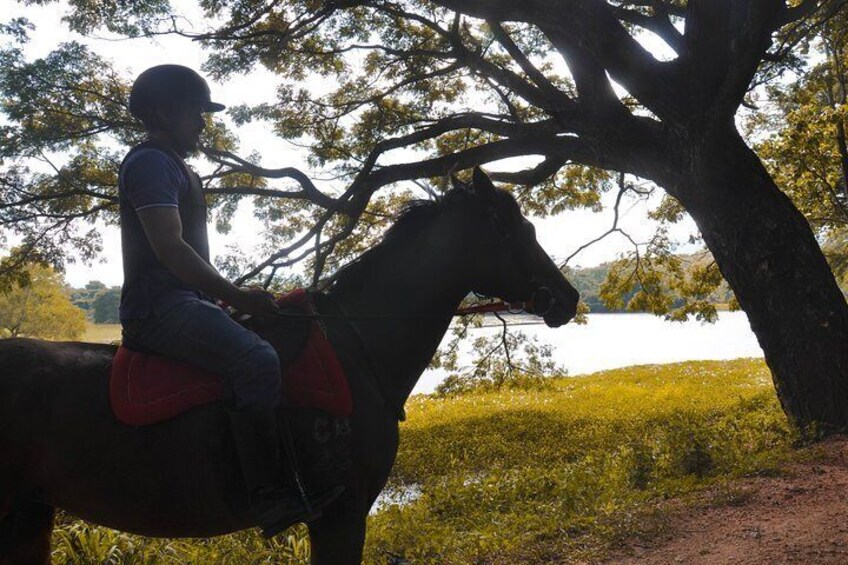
(768, 254)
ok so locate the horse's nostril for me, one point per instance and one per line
(542, 301)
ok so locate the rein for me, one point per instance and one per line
(499, 306)
(515, 308)
(539, 304)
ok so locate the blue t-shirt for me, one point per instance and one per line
(151, 178)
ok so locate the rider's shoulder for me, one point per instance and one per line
(149, 156)
(145, 160)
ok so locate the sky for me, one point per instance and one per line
(560, 235)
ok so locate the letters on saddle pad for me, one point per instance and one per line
(145, 389)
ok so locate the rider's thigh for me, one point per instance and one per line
(203, 334)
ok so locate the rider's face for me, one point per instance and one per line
(188, 127)
(183, 125)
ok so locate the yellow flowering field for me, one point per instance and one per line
(535, 476)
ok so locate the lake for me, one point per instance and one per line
(610, 341)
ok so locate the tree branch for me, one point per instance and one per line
(309, 190)
(533, 176)
(502, 36)
(572, 147)
(543, 98)
(591, 26)
(57, 196)
(284, 252)
(622, 188)
(593, 85)
(659, 23)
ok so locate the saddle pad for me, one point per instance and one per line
(145, 389)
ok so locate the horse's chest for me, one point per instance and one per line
(326, 446)
(333, 450)
(332, 447)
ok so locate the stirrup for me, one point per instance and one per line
(277, 518)
(312, 511)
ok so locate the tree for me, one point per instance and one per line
(84, 297)
(425, 88)
(105, 306)
(40, 308)
(100, 303)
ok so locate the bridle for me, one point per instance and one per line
(535, 305)
(541, 299)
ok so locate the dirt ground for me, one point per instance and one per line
(800, 516)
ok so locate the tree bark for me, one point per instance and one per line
(768, 254)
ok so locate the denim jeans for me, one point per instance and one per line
(201, 333)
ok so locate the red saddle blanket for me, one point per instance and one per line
(145, 389)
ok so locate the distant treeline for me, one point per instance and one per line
(588, 282)
(99, 301)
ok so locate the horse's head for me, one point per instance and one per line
(507, 260)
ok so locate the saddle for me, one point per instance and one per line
(145, 388)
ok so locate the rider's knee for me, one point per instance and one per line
(266, 361)
(258, 385)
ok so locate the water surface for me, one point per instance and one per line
(610, 341)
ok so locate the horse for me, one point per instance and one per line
(385, 314)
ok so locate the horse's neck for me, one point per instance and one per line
(412, 293)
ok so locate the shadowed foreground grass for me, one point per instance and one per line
(529, 476)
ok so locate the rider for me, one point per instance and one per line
(169, 285)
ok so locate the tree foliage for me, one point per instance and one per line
(84, 297)
(440, 86)
(40, 308)
(106, 305)
(67, 126)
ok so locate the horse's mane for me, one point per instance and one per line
(414, 215)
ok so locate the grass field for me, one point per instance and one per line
(530, 476)
(101, 333)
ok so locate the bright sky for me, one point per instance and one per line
(560, 235)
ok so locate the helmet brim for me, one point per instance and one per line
(213, 107)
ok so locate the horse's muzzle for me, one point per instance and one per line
(554, 311)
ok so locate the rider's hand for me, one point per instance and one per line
(255, 301)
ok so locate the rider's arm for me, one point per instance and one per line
(163, 228)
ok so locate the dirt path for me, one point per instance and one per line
(799, 517)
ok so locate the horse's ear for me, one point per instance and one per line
(456, 183)
(482, 183)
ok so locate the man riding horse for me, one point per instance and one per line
(64, 446)
(167, 300)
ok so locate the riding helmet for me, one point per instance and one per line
(163, 85)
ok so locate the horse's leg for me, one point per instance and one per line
(25, 534)
(339, 535)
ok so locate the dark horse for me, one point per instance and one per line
(386, 313)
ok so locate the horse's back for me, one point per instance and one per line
(38, 378)
(30, 368)
(22, 357)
